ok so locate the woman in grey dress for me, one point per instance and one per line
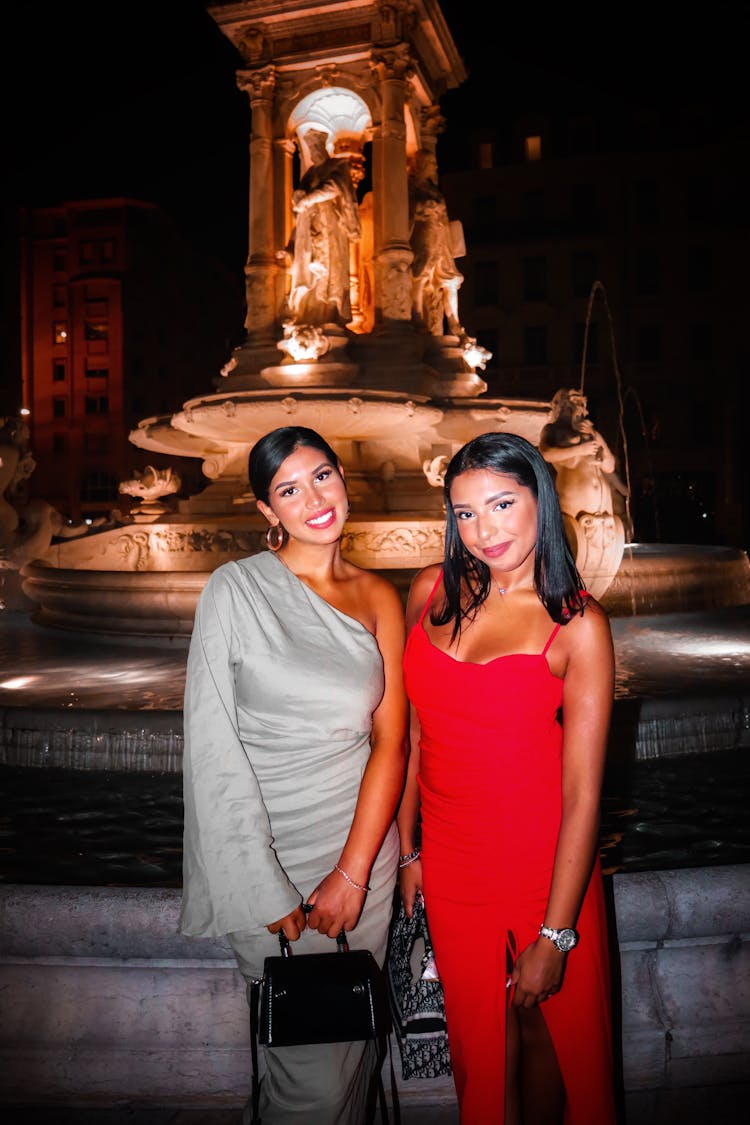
(295, 741)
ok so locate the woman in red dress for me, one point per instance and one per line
(510, 671)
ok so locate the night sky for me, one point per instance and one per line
(139, 99)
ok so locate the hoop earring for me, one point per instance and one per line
(275, 537)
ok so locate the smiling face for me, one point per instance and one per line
(308, 497)
(497, 520)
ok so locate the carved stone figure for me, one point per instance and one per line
(325, 205)
(436, 279)
(26, 529)
(149, 486)
(585, 478)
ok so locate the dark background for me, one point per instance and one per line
(139, 99)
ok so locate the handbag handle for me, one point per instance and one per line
(342, 943)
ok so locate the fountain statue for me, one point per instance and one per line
(352, 328)
(586, 483)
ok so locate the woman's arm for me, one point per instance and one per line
(410, 877)
(336, 902)
(232, 878)
(588, 691)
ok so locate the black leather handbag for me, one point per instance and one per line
(322, 997)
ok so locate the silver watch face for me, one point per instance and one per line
(566, 939)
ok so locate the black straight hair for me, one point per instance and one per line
(558, 584)
(272, 450)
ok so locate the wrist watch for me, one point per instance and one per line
(564, 940)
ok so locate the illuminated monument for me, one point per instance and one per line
(352, 328)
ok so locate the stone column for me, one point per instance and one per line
(393, 255)
(283, 154)
(261, 268)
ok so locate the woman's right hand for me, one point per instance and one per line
(292, 925)
(410, 884)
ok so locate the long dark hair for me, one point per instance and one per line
(558, 584)
(273, 448)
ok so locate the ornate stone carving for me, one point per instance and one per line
(148, 487)
(303, 342)
(259, 85)
(585, 478)
(327, 221)
(253, 46)
(434, 470)
(475, 356)
(392, 62)
(396, 283)
(405, 542)
(151, 483)
(436, 243)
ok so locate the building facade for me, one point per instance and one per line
(120, 319)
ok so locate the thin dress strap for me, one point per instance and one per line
(552, 636)
(432, 595)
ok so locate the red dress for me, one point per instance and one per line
(490, 786)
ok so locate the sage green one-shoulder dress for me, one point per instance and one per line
(279, 697)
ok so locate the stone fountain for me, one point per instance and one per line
(352, 328)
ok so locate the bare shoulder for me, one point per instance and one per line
(381, 590)
(374, 600)
(424, 581)
(590, 629)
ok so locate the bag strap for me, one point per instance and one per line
(254, 1008)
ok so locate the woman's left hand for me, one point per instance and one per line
(336, 906)
(537, 973)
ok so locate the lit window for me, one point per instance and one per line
(96, 329)
(532, 147)
(60, 332)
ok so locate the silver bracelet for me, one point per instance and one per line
(405, 860)
(350, 881)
